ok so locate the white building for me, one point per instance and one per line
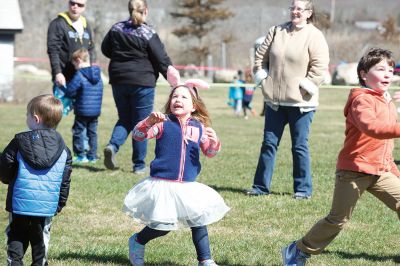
(10, 24)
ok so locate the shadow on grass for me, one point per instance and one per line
(243, 191)
(99, 258)
(90, 168)
(366, 256)
(165, 263)
(225, 263)
(281, 193)
(228, 189)
(117, 259)
(397, 162)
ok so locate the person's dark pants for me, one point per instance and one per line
(88, 124)
(246, 106)
(263, 109)
(299, 124)
(199, 237)
(24, 230)
(133, 105)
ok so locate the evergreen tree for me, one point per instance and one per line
(200, 16)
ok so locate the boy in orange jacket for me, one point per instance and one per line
(365, 162)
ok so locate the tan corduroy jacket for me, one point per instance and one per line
(292, 60)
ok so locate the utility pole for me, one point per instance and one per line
(332, 18)
(223, 54)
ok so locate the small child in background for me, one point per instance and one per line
(240, 77)
(86, 88)
(248, 92)
(365, 162)
(170, 198)
(236, 95)
(36, 165)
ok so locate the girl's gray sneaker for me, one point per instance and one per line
(136, 252)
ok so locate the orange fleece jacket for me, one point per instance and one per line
(371, 125)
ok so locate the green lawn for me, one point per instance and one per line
(92, 230)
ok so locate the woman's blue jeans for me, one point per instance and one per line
(133, 105)
(299, 124)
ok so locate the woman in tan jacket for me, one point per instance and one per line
(290, 65)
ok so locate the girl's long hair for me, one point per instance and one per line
(200, 114)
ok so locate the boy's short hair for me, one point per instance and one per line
(372, 57)
(82, 54)
(48, 108)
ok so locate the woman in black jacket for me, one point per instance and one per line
(137, 56)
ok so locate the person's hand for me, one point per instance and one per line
(259, 76)
(60, 80)
(307, 87)
(212, 136)
(157, 117)
(396, 96)
(173, 76)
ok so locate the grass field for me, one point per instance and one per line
(92, 230)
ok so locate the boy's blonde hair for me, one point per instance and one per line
(48, 108)
(136, 11)
(372, 57)
(81, 54)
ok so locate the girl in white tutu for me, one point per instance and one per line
(170, 198)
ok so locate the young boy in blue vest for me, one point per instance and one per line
(36, 165)
(86, 88)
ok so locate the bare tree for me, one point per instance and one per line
(322, 20)
(200, 17)
(390, 32)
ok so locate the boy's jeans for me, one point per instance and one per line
(349, 187)
(133, 105)
(89, 125)
(299, 124)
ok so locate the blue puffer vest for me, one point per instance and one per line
(176, 158)
(36, 191)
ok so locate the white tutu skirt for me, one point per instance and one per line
(167, 205)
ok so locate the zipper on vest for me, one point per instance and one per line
(183, 151)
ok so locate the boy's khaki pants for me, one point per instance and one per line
(349, 187)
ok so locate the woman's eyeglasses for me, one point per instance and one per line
(72, 3)
(297, 9)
